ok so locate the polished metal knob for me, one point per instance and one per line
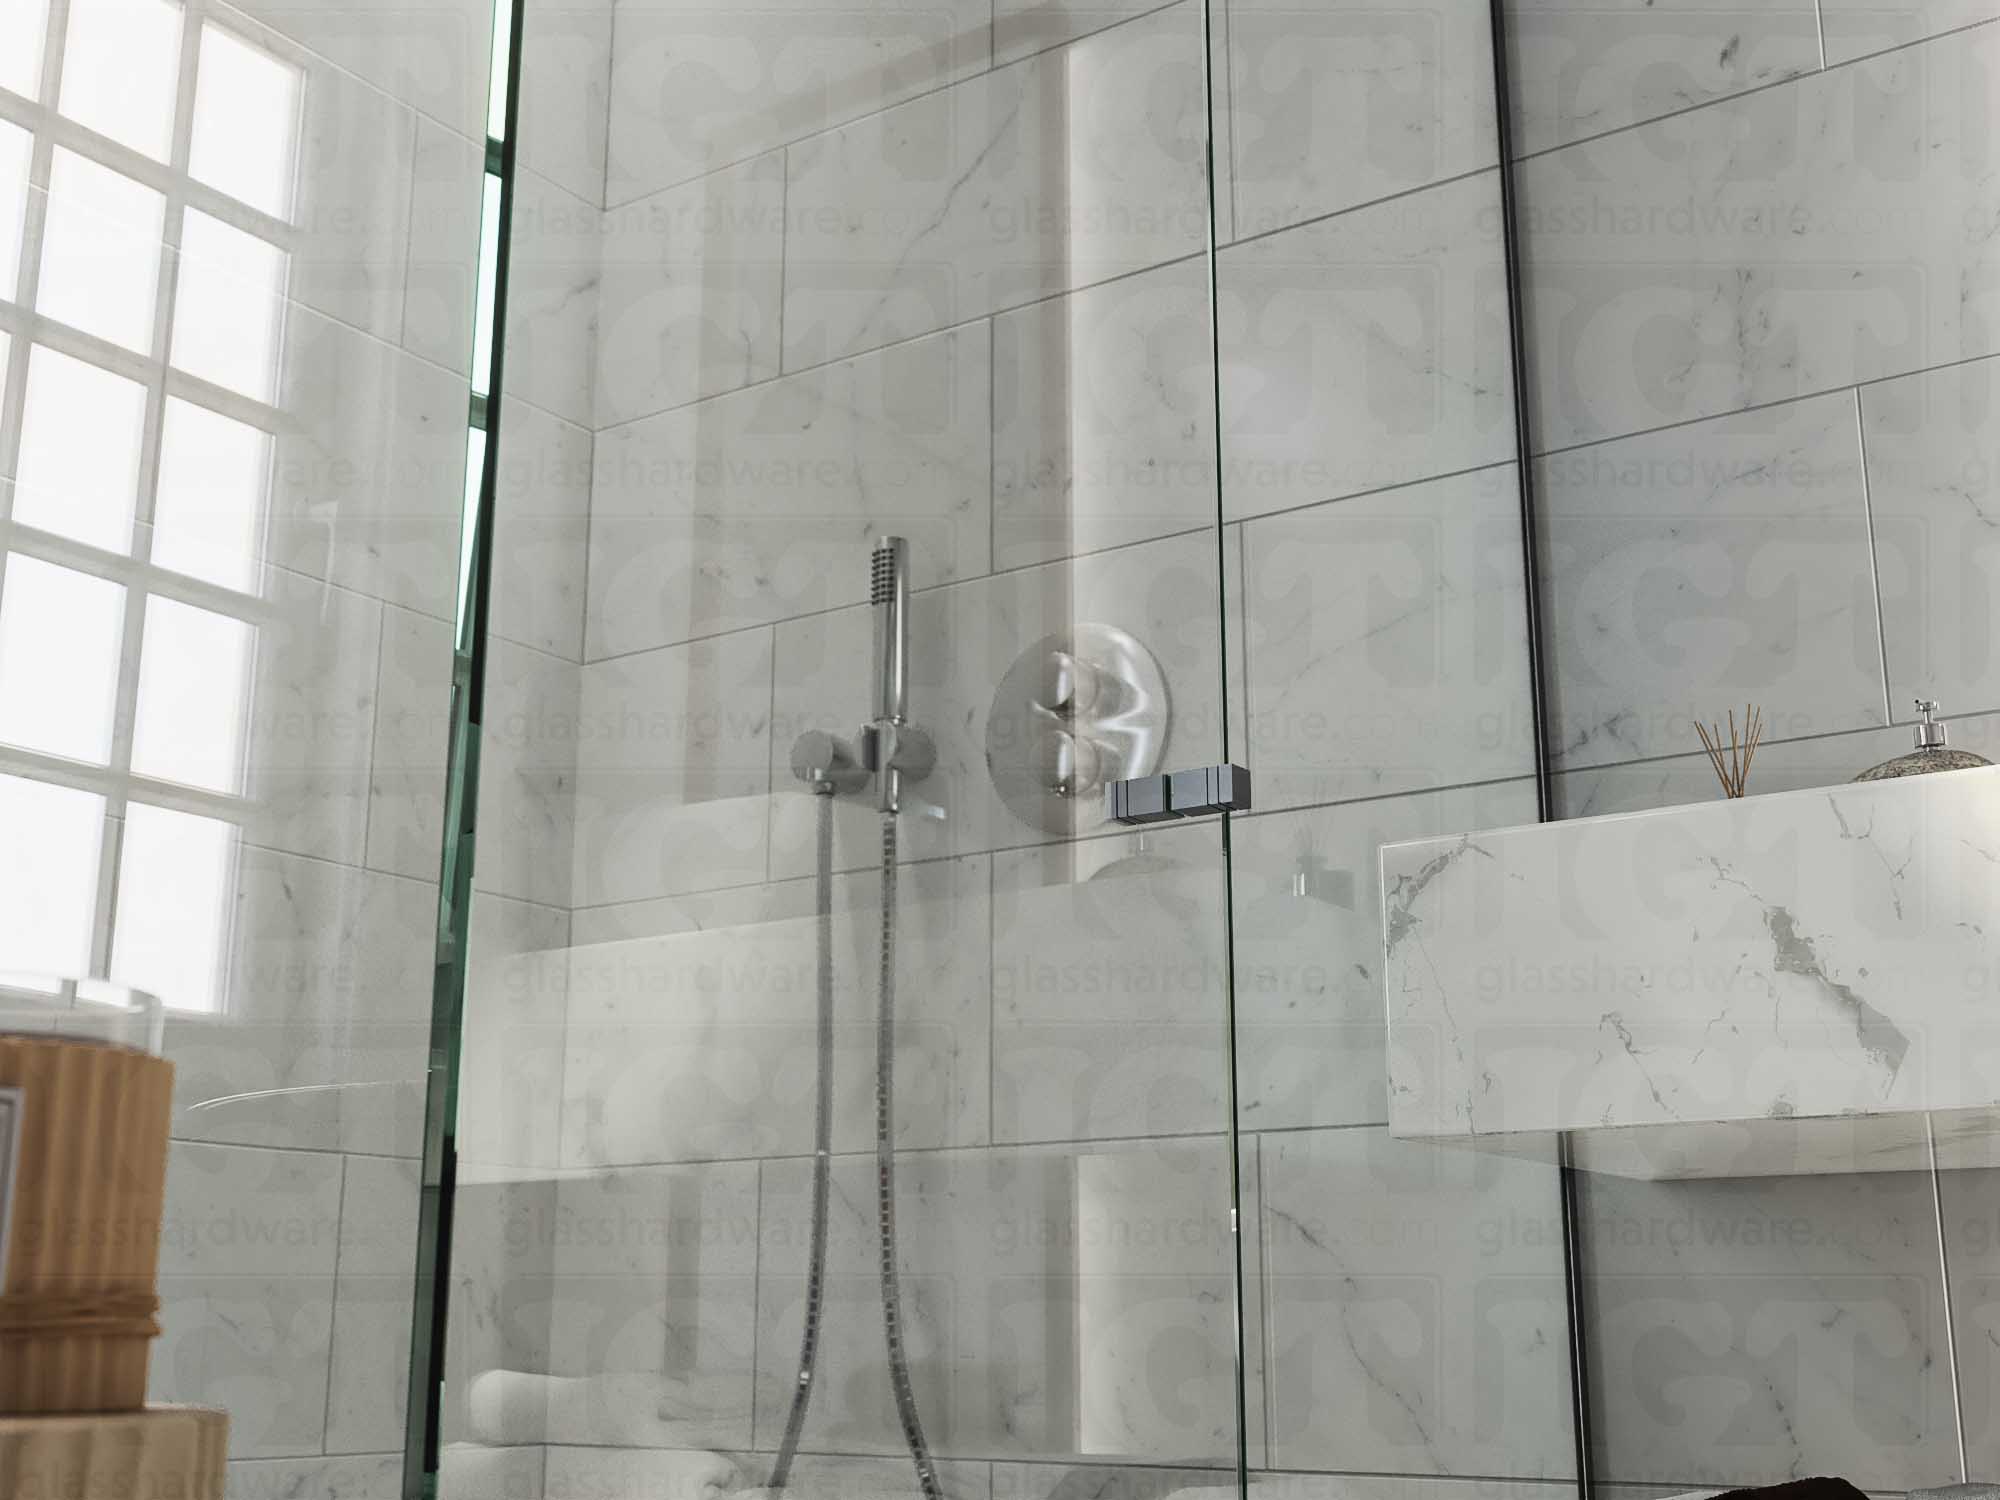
(1070, 686)
(826, 763)
(1069, 765)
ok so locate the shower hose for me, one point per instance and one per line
(885, 1168)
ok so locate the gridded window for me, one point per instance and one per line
(137, 425)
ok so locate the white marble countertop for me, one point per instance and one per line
(1806, 981)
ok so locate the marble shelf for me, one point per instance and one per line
(1802, 982)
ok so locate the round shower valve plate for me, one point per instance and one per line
(1076, 711)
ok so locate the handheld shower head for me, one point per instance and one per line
(889, 591)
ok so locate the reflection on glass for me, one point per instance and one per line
(16, 145)
(24, 26)
(48, 882)
(59, 643)
(174, 890)
(81, 431)
(489, 262)
(475, 470)
(189, 723)
(121, 70)
(246, 111)
(228, 310)
(101, 252)
(209, 508)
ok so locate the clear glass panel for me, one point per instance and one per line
(208, 512)
(246, 122)
(894, 272)
(193, 672)
(81, 431)
(175, 872)
(100, 265)
(121, 70)
(61, 634)
(48, 889)
(229, 310)
(24, 27)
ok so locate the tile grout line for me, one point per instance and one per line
(1874, 558)
(1944, 1287)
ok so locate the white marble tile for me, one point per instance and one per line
(1415, 1300)
(566, 92)
(372, 1306)
(541, 540)
(369, 466)
(1694, 570)
(1855, 28)
(409, 771)
(375, 1476)
(673, 770)
(1932, 442)
(552, 298)
(1745, 1332)
(511, 1053)
(647, 1473)
(1795, 240)
(469, 1471)
(251, 1236)
(442, 291)
(1108, 990)
(310, 719)
(1055, 1302)
(1311, 1041)
(528, 775)
(748, 78)
(1967, 1200)
(385, 1065)
(963, 640)
(1057, 1481)
(1387, 638)
(1023, 27)
(1104, 417)
(432, 54)
(655, 1306)
(1062, 170)
(692, 291)
(696, 1045)
(1366, 350)
(1580, 71)
(1780, 766)
(761, 505)
(1338, 105)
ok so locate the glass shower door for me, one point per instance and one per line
(841, 274)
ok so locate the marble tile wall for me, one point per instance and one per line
(1759, 352)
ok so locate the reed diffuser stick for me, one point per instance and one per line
(1733, 771)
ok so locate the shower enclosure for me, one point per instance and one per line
(575, 580)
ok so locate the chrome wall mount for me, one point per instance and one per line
(1075, 712)
(1162, 797)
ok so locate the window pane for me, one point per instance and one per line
(80, 436)
(48, 882)
(60, 634)
(228, 310)
(121, 70)
(246, 122)
(208, 514)
(192, 668)
(175, 873)
(15, 148)
(24, 26)
(101, 252)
